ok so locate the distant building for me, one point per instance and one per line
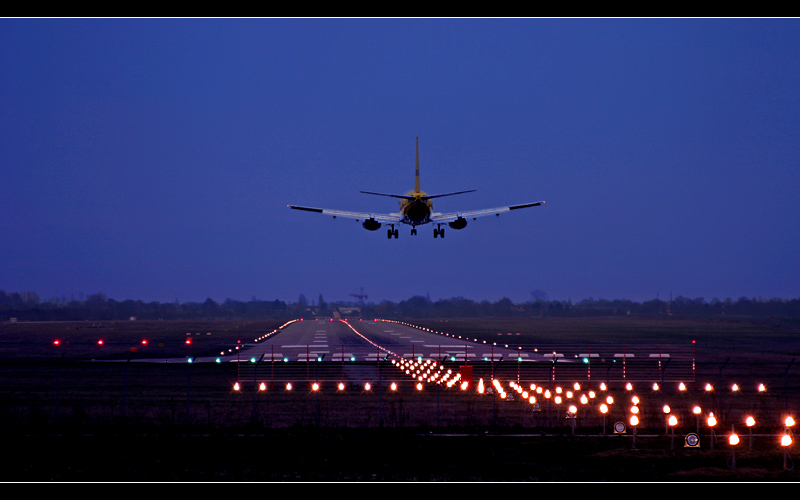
(349, 312)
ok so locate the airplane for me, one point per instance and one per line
(416, 209)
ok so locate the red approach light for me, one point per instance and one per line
(188, 341)
(100, 342)
(144, 341)
(56, 342)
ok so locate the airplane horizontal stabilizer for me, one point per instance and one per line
(404, 197)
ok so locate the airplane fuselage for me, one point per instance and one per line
(416, 211)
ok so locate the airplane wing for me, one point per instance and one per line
(387, 218)
(441, 217)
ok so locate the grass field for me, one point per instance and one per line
(167, 422)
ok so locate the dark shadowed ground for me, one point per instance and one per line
(67, 419)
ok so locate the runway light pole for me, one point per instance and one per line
(733, 440)
(697, 411)
(604, 410)
(712, 421)
(786, 441)
(673, 421)
(666, 411)
(750, 422)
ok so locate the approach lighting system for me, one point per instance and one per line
(691, 440)
(619, 427)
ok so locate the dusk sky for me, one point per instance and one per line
(154, 159)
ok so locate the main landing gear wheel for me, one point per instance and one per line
(438, 232)
(413, 232)
(391, 232)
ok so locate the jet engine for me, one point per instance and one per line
(459, 223)
(371, 225)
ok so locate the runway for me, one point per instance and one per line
(368, 340)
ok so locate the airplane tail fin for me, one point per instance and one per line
(417, 194)
(416, 180)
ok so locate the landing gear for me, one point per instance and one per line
(439, 231)
(391, 232)
(413, 231)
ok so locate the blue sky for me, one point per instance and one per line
(153, 159)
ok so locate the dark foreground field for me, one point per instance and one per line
(68, 419)
(310, 454)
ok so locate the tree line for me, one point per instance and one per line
(27, 306)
